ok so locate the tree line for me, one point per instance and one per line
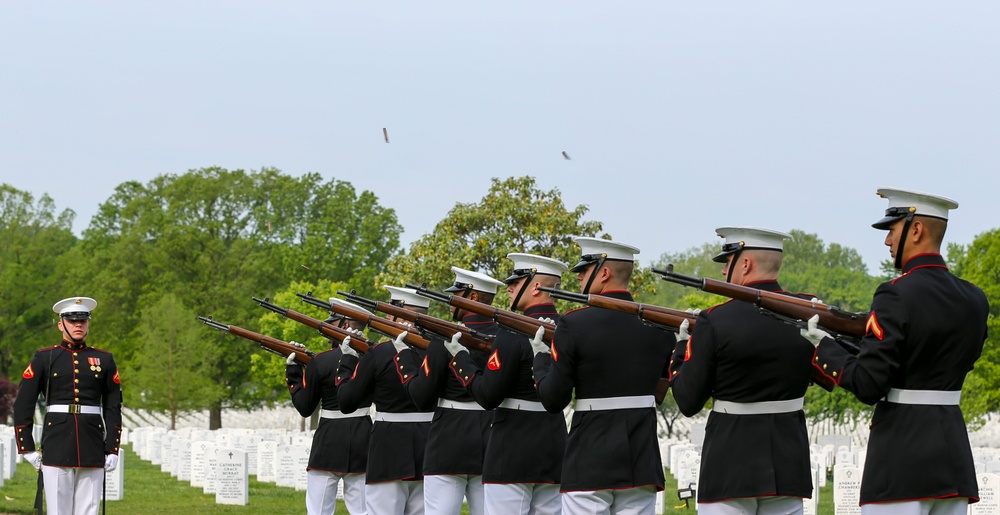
(157, 255)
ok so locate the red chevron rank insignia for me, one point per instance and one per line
(28, 372)
(555, 354)
(687, 350)
(494, 361)
(873, 327)
(426, 367)
(117, 379)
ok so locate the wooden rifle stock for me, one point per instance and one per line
(386, 327)
(667, 318)
(517, 322)
(358, 343)
(273, 345)
(786, 306)
(470, 338)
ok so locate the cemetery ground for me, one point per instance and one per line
(151, 491)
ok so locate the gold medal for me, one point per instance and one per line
(92, 367)
(97, 369)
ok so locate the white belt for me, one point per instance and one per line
(334, 415)
(932, 397)
(467, 406)
(418, 416)
(758, 408)
(74, 408)
(610, 403)
(521, 405)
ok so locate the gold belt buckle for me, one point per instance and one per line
(75, 408)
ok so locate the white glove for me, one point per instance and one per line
(399, 344)
(547, 320)
(816, 301)
(695, 311)
(537, 345)
(290, 360)
(345, 347)
(682, 331)
(812, 332)
(110, 462)
(453, 346)
(34, 458)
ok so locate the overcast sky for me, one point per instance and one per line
(679, 117)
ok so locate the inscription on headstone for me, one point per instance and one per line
(265, 460)
(846, 490)
(989, 495)
(231, 481)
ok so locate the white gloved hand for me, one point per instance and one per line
(816, 301)
(682, 331)
(453, 346)
(547, 320)
(110, 462)
(695, 311)
(345, 347)
(290, 360)
(812, 332)
(399, 344)
(34, 458)
(537, 345)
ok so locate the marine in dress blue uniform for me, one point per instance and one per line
(613, 362)
(755, 458)
(394, 478)
(456, 444)
(526, 445)
(83, 419)
(925, 332)
(340, 443)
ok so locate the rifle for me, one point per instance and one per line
(785, 307)
(516, 322)
(470, 338)
(386, 327)
(358, 343)
(664, 318)
(272, 345)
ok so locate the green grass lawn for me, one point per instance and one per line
(149, 491)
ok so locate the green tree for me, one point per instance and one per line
(168, 373)
(514, 216)
(215, 238)
(36, 241)
(980, 264)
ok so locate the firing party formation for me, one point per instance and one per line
(470, 410)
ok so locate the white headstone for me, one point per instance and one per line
(8, 454)
(251, 444)
(284, 466)
(231, 480)
(810, 506)
(199, 462)
(301, 466)
(846, 490)
(266, 451)
(211, 469)
(184, 459)
(989, 495)
(114, 481)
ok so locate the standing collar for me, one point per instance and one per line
(475, 318)
(73, 346)
(922, 260)
(536, 310)
(765, 285)
(617, 294)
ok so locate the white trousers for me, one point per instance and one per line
(951, 506)
(522, 499)
(72, 491)
(443, 494)
(321, 492)
(629, 501)
(395, 498)
(772, 505)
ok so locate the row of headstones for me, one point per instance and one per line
(221, 461)
(683, 459)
